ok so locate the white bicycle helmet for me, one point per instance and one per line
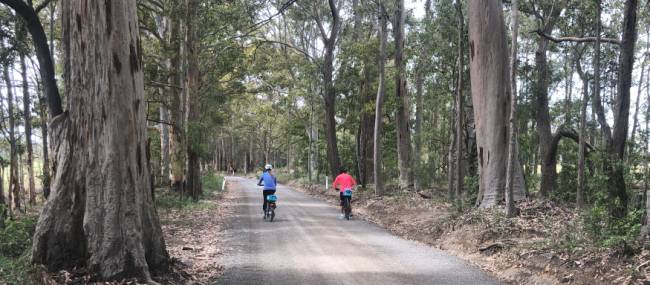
(268, 167)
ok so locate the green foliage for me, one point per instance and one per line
(166, 200)
(15, 238)
(609, 232)
(567, 178)
(211, 184)
(17, 271)
(15, 245)
(471, 184)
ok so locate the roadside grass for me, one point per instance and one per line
(15, 245)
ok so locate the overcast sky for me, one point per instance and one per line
(416, 6)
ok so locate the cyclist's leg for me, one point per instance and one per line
(271, 192)
(264, 203)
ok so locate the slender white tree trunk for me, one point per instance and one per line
(512, 140)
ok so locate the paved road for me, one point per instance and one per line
(309, 244)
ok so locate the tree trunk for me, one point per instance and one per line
(568, 90)
(489, 76)
(617, 188)
(27, 115)
(451, 150)
(597, 104)
(14, 186)
(100, 215)
(580, 193)
(513, 157)
(46, 65)
(329, 96)
(543, 118)
(417, 151)
(646, 190)
(164, 142)
(45, 177)
(544, 136)
(177, 130)
(194, 110)
(459, 108)
(381, 93)
(630, 152)
(401, 114)
(312, 134)
(365, 129)
(3, 204)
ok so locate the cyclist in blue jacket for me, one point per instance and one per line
(269, 182)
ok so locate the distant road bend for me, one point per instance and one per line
(309, 244)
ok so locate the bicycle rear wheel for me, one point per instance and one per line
(347, 207)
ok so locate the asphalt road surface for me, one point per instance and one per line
(308, 243)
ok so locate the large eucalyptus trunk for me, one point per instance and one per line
(402, 114)
(489, 72)
(100, 214)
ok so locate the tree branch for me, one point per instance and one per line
(577, 39)
(42, 6)
(42, 53)
(570, 133)
(319, 24)
(289, 46)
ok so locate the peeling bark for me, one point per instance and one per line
(101, 214)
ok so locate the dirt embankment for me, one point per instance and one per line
(537, 247)
(193, 236)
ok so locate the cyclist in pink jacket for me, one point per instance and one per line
(343, 181)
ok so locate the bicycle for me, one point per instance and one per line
(270, 207)
(347, 203)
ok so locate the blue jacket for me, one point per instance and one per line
(268, 181)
